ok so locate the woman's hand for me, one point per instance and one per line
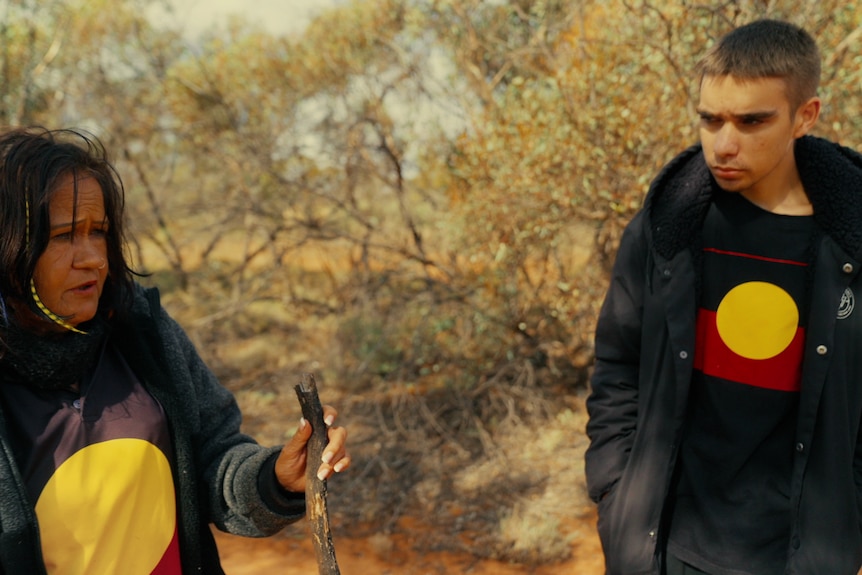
(291, 463)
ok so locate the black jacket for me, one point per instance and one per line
(220, 475)
(644, 356)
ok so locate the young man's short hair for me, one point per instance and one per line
(767, 49)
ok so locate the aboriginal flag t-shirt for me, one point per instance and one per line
(97, 466)
(731, 513)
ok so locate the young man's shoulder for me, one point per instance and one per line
(820, 152)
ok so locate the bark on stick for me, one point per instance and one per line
(315, 489)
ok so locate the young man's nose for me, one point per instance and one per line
(726, 142)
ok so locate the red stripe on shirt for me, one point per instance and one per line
(754, 257)
(782, 372)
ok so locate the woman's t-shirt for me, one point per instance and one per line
(97, 466)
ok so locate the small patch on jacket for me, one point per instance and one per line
(848, 302)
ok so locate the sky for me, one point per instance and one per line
(276, 16)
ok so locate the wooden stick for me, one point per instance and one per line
(315, 489)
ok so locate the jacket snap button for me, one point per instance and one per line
(683, 355)
(848, 268)
(821, 350)
(800, 447)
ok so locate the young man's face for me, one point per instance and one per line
(748, 130)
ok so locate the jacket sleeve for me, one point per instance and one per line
(236, 474)
(613, 402)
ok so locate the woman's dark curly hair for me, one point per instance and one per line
(33, 161)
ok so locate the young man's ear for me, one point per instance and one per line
(806, 116)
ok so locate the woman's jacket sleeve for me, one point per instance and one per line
(235, 473)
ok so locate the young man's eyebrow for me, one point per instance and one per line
(762, 115)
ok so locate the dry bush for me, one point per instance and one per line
(495, 470)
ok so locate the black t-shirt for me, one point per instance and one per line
(731, 513)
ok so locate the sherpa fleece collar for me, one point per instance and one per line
(680, 195)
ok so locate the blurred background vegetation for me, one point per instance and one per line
(418, 200)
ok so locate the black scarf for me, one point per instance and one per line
(50, 361)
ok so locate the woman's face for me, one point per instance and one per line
(71, 272)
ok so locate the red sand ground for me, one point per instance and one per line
(291, 553)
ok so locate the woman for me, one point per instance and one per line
(118, 447)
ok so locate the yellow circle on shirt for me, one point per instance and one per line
(109, 508)
(757, 320)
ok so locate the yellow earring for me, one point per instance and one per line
(51, 315)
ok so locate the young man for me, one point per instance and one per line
(727, 391)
